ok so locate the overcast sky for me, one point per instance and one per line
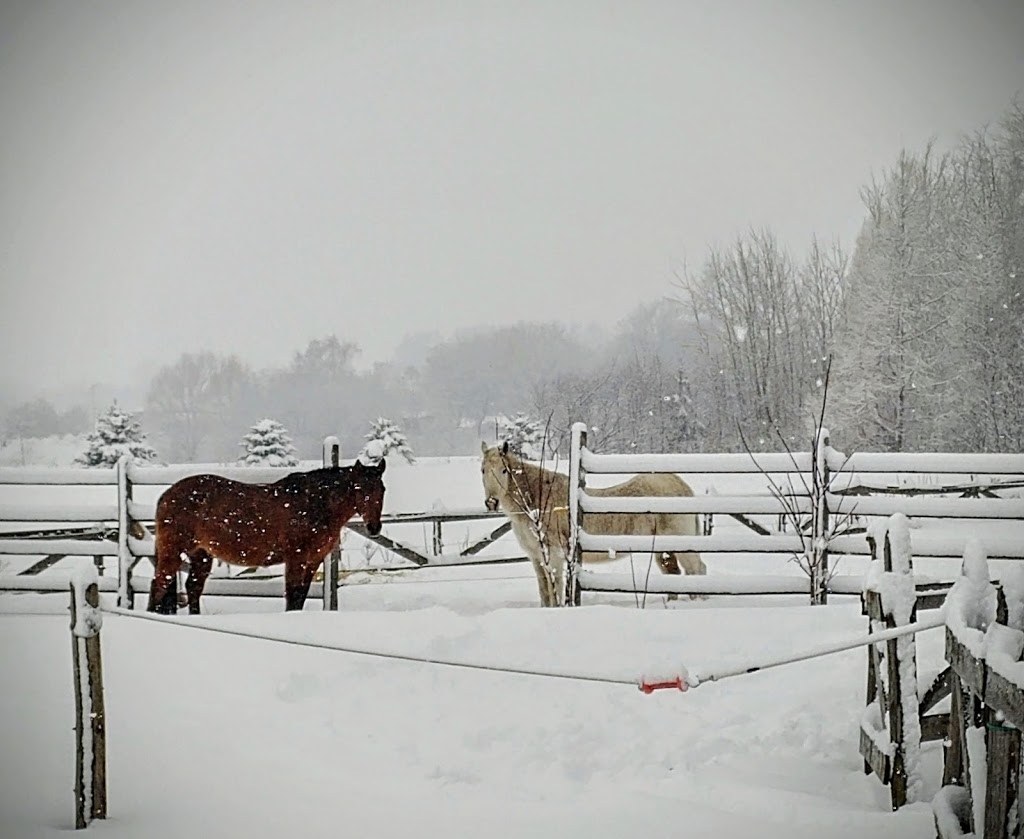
(244, 176)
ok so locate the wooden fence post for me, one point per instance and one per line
(90, 715)
(892, 674)
(577, 483)
(125, 560)
(332, 562)
(820, 480)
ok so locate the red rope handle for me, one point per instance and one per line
(650, 687)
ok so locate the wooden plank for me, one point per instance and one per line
(1005, 696)
(952, 762)
(753, 525)
(67, 547)
(1002, 748)
(394, 547)
(42, 565)
(879, 761)
(934, 727)
(966, 666)
(937, 691)
(493, 536)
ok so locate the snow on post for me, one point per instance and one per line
(971, 602)
(90, 717)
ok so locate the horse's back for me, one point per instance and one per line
(196, 491)
(640, 486)
(643, 486)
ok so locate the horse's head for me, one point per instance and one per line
(368, 486)
(494, 469)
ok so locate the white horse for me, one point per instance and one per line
(536, 501)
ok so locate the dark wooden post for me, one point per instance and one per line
(90, 715)
(1002, 749)
(437, 542)
(577, 485)
(125, 560)
(820, 480)
(332, 562)
(952, 757)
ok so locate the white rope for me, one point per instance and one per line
(700, 677)
(466, 665)
(683, 680)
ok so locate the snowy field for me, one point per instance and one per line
(214, 735)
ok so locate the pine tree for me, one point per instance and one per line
(268, 444)
(117, 433)
(385, 437)
(524, 436)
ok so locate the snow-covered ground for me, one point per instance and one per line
(219, 736)
(215, 735)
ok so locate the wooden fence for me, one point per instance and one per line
(120, 527)
(821, 494)
(901, 699)
(820, 502)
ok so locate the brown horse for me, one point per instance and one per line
(296, 520)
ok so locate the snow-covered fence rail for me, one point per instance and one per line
(981, 794)
(820, 494)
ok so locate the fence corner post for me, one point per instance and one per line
(90, 713)
(125, 560)
(577, 483)
(332, 562)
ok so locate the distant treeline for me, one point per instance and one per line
(923, 321)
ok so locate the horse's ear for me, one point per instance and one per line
(380, 466)
(483, 447)
(504, 447)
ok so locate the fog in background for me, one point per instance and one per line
(325, 212)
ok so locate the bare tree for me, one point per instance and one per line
(189, 400)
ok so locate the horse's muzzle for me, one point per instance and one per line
(373, 528)
(491, 503)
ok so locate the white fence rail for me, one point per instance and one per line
(795, 476)
(815, 494)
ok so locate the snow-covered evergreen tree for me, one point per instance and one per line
(268, 444)
(117, 433)
(385, 437)
(525, 436)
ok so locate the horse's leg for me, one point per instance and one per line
(668, 564)
(163, 593)
(298, 576)
(688, 562)
(200, 564)
(543, 584)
